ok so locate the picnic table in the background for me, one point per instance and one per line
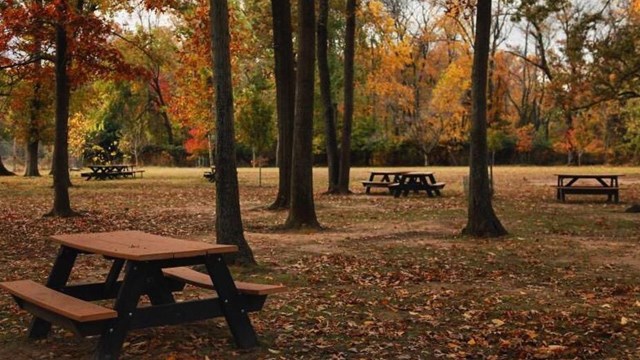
(154, 266)
(417, 181)
(108, 172)
(386, 178)
(605, 184)
(210, 175)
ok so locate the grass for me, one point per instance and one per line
(386, 277)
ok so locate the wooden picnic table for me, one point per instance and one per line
(210, 175)
(417, 181)
(105, 172)
(387, 177)
(606, 184)
(154, 266)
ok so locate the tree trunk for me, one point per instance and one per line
(31, 164)
(229, 228)
(333, 161)
(349, 53)
(302, 212)
(212, 160)
(3, 170)
(60, 168)
(32, 159)
(285, 97)
(482, 220)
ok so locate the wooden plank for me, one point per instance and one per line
(137, 245)
(199, 279)
(57, 302)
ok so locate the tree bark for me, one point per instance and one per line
(33, 140)
(482, 220)
(302, 211)
(349, 53)
(3, 170)
(333, 161)
(285, 97)
(229, 228)
(60, 168)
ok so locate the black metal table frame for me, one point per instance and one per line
(573, 178)
(110, 171)
(416, 182)
(386, 175)
(146, 278)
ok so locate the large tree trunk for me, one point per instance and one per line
(32, 158)
(302, 212)
(60, 169)
(333, 161)
(229, 228)
(482, 220)
(285, 97)
(349, 53)
(3, 170)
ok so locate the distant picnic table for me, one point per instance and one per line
(417, 181)
(386, 178)
(210, 175)
(403, 182)
(110, 172)
(606, 184)
(154, 266)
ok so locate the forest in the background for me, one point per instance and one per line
(564, 83)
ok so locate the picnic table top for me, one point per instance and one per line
(111, 166)
(588, 175)
(418, 173)
(388, 172)
(139, 246)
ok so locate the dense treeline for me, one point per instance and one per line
(563, 84)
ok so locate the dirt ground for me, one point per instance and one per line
(385, 278)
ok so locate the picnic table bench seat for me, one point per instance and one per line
(82, 317)
(197, 278)
(210, 175)
(369, 184)
(612, 192)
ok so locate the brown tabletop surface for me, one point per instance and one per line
(140, 246)
(388, 172)
(589, 175)
(418, 173)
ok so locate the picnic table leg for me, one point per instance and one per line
(112, 277)
(158, 291)
(58, 277)
(233, 309)
(432, 179)
(113, 335)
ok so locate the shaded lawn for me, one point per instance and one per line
(386, 278)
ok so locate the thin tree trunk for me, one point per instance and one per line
(60, 170)
(229, 228)
(482, 220)
(33, 140)
(302, 211)
(333, 161)
(212, 160)
(349, 54)
(15, 155)
(285, 97)
(3, 170)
